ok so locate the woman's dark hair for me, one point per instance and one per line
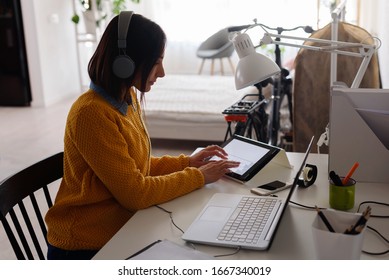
(145, 45)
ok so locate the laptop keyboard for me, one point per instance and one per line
(248, 220)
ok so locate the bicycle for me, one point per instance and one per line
(250, 116)
(282, 86)
(259, 125)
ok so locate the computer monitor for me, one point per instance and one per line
(359, 132)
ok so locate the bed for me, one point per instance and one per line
(189, 107)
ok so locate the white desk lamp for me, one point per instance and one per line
(253, 67)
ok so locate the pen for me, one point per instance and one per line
(360, 224)
(350, 173)
(335, 179)
(324, 219)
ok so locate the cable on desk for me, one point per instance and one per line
(373, 229)
(306, 206)
(383, 237)
(230, 254)
(170, 215)
(171, 218)
(374, 202)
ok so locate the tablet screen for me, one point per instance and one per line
(252, 155)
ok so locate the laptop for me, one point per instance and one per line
(217, 224)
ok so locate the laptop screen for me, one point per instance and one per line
(299, 170)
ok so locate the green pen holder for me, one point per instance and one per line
(342, 197)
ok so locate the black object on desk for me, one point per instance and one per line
(324, 219)
(335, 179)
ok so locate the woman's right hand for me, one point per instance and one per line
(214, 170)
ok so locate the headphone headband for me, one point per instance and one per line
(123, 24)
(123, 66)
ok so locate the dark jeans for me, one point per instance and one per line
(54, 253)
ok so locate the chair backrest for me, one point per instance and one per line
(14, 194)
(218, 41)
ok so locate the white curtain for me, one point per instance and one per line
(374, 18)
(187, 23)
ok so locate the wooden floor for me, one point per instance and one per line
(29, 134)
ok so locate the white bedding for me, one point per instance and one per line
(190, 106)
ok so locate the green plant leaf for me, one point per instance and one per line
(75, 18)
(117, 7)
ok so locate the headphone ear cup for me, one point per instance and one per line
(123, 66)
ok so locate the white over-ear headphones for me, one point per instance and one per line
(123, 66)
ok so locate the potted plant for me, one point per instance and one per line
(103, 9)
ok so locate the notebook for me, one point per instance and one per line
(217, 222)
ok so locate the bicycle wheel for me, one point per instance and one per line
(259, 125)
(254, 128)
(240, 128)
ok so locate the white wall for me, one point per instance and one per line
(383, 34)
(51, 50)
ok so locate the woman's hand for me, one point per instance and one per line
(202, 157)
(214, 170)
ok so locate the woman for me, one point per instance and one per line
(109, 172)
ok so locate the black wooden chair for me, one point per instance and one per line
(14, 204)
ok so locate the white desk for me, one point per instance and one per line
(293, 239)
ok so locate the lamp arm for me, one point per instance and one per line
(365, 51)
(339, 11)
(331, 45)
(331, 49)
(362, 68)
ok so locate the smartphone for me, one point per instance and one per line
(270, 188)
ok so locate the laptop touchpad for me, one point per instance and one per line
(216, 213)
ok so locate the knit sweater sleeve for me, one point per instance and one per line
(115, 159)
(158, 165)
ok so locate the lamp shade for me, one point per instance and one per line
(252, 67)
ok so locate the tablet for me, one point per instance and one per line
(252, 155)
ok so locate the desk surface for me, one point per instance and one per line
(293, 239)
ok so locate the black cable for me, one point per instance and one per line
(306, 206)
(383, 237)
(374, 202)
(230, 254)
(171, 217)
(376, 253)
(373, 229)
(376, 231)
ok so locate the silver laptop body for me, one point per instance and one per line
(217, 224)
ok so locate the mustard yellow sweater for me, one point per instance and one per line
(109, 173)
